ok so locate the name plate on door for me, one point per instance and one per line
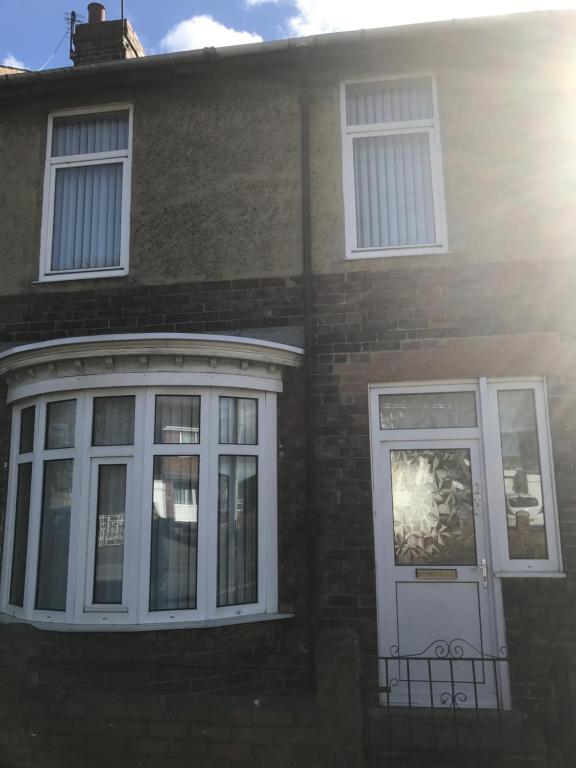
(436, 574)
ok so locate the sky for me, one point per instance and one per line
(33, 32)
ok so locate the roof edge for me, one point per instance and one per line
(8, 82)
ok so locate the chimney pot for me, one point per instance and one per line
(96, 13)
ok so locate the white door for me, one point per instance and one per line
(438, 605)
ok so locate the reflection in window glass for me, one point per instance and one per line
(177, 419)
(60, 424)
(109, 556)
(113, 421)
(174, 550)
(433, 507)
(522, 474)
(237, 529)
(27, 429)
(20, 546)
(428, 410)
(54, 536)
(238, 421)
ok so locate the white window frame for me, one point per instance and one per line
(123, 156)
(430, 126)
(134, 610)
(487, 432)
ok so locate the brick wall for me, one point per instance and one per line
(370, 326)
(431, 324)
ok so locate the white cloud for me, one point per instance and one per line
(204, 32)
(12, 61)
(317, 16)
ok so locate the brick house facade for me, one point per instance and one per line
(239, 236)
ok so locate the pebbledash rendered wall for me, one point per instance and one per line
(218, 200)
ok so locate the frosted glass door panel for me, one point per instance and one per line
(433, 507)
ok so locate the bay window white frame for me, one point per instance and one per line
(431, 127)
(52, 164)
(134, 610)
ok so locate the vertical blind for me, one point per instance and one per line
(87, 217)
(113, 420)
(394, 198)
(86, 230)
(174, 546)
(237, 530)
(19, 549)
(89, 134)
(389, 101)
(52, 581)
(110, 515)
(393, 180)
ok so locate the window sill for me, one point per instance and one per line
(529, 575)
(383, 253)
(81, 275)
(62, 627)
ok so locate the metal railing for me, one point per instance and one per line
(450, 699)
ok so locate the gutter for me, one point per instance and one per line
(167, 64)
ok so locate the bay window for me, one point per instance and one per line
(149, 499)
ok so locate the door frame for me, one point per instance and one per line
(496, 634)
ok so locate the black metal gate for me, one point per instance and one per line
(440, 710)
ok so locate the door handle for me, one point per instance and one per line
(483, 568)
(477, 499)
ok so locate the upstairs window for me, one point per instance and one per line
(394, 195)
(87, 194)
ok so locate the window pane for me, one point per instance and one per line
(27, 429)
(389, 101)
(237, 530)
(238, 420)
(20, 547)
(54, 536)
(433, 507)
(60, 424)
(177, 419)
(113, 421)
(110, 511)
(87, 217)
(393, 188)
(89, 133)
(174, 533)
(522, 475)
(430, 410)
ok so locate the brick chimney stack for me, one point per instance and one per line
(99, 40)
